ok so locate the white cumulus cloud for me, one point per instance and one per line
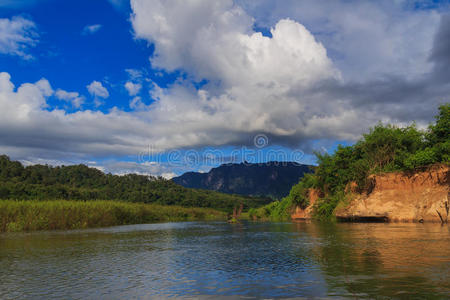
(96, 89)
(72, 97)
(257, 83)
(17, 35)
(133, 88)
(28, 128)
(215, 40)
(366, 39)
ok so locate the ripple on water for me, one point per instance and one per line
(221, 259)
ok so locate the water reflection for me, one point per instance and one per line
(250, 260)
(384, 260)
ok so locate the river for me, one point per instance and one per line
(215, 260)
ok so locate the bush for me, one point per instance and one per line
(386, 147)
(421, 158)
(324, 207)
(440, 131)
(299, 194)
(275, 211)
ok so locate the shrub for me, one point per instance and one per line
(421, 158)
(299, 194)
(324, 207)
(275, 211)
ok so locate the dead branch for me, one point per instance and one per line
(440, 216)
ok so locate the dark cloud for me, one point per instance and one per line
(440, 55)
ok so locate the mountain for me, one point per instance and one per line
(273, 179)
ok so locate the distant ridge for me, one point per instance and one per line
(272, 179)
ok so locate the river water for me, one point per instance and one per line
(215, 260)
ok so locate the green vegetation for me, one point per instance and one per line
(89, 198)
(386, 148)
(47, 215)
(80, 182)
(275, 211)
(299, 194)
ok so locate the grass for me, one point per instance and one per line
(62, 214)
(275, 211)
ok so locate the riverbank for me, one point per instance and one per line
(62, 214)
(391, 197)
(401, 197)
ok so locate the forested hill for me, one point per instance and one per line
(272, 179)
(80, 182)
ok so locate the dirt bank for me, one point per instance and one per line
(396, 197)
(401, 197)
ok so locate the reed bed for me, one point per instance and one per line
(62, 214)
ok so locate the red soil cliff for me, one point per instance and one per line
(396, 197)
(402, 197)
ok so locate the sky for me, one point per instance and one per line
(164, 87)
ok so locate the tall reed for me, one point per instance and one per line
(63, 214)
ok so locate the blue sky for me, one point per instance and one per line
(99, 82)
(103, 55)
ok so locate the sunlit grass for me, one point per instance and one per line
(63, 214)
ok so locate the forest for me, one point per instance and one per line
(80, 182)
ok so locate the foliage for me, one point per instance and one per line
(80, 182)
(299, 194)
(440, 132)
(63, 214)
(324, 207)
(385, 148)
(275, 211)
(421, 158)
(438, 136)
